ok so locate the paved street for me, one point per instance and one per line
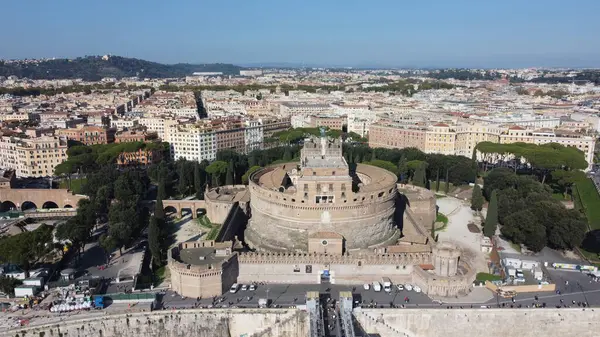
(579, 289)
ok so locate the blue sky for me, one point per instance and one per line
(426, 33)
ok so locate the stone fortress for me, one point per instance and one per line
(321, 220)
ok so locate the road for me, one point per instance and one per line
(579, 290)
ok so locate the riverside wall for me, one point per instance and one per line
(479, 322)
(197, 323)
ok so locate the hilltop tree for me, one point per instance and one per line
(419, 178)
(491, 219)
(477, 199)
(229, 175)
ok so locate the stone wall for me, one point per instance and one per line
(232, 225)
(197, 323)
(479, 322)
(61, 197)
(422, 204)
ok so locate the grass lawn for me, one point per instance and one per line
(214, 228)
(516, 247)
(76, 184)
(586, 195)
(487, 277)
(559, 196)
(159, 275)
(441, 218)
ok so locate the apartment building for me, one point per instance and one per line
(300, 108)
(141, 157)
(331, 122)
(89, 135)
(32, 157)
(253, 135)
(130, 136)
(192, 141)
(462, 139)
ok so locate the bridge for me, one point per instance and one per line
(177, 206)
(24, 199)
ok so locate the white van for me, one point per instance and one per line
(376, 286)
(387, 284)
(234, 288)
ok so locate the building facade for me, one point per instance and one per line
(32, 157)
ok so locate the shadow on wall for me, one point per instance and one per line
(401, 203)
(360, 331)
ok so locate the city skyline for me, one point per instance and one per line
(383, 34)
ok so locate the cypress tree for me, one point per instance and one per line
(159, 210)
(491, 220)
(287, 154)
(437, 181)
(155, 242)
(229, 175)
(373, 156)
(419, 177)
(162, 189)
(447, 185)
(477, 199)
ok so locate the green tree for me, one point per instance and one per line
(26, 249)
(384, 165)
(437, 180)
(373, 155)
(287, 154)
(447, 183)
(8, 284)
(162, 190)
(491, 219)
(159, 210)
(217, 169)
(524, 228)
(199, 181)
(477, 199)
(155, 238)
(229, 175)
(248, 173)
(419, 178)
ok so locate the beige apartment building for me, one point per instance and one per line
(32, 157)
(462, 139)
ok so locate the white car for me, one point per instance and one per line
(234, 288)
(417, 289)
(400, 287)
(408, 287)
(366, 286)
(244, 287)
(252, 287)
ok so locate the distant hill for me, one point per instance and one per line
(93, 68)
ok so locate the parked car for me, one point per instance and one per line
(400, 287)
(252, 287)
(366, 286)
(417, 289)
(244, 287)
(408, 287)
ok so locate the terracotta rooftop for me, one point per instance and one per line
(441, 125)
(516, 127)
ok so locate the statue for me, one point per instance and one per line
(322, 130)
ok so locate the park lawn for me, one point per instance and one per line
(487, 277)
(441, 218)
(212, 235)
(159, 275)
(76, 184)
(586, 194)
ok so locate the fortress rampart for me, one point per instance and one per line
(198, 322)
(479, 322)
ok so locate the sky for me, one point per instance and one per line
(394, 33)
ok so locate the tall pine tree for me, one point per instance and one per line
(229, 175)
(447, 183)
(477, 199)
(491, 219)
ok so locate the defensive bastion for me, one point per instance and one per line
(184, 323)
(479, 322)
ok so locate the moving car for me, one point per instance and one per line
(408, 287)
(366, 286)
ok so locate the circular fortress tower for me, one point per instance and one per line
(322, 193)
